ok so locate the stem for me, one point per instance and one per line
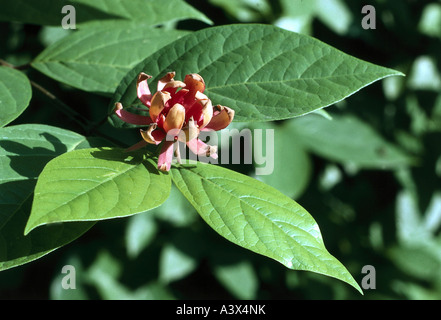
(75, 116)
(72, 114)
(7, 64)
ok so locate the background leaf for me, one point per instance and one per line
(15, 94)
(239, 278)
(348, 140)
(257, 217)
(174, 264)
(24, 151)
(141, 230)
(263, 72)
(291, 163)
(96, 59)
(96, 184)
(48, 12)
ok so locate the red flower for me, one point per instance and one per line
(177, 111)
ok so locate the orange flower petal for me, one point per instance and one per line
(175, 118)
(222, 117)
(159, 100)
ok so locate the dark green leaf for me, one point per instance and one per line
(48, 12)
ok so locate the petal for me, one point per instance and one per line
(165, 79)
(175, 118)
(172, 85)
(136, 146)
(191, 131)
(166, 156)
(153, 134)
(159, 100)
(200, 148)
(222, 117)
(194, 82)
(129, 117)
(178, 97)
(143, 90)
(207, 109)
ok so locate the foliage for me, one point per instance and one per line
(366, 170)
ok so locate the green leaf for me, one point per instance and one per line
(140, 232)
(239, 278)
(96, 59)
(96, 184)
(327, 10)
(18, 146)
(245, 10)
(174, 264)
(15, 94)
(48, 12)
(348, 140)
(176, 210)
(290, 161)
(257, 217)
(263, 72)
(24, 151)
(56, 290)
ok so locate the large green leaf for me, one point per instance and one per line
(257, 217)
(263, 72)
(96, 184)
(348, 140)
(48, 12)
(21, 146)
(96, 59)
(15, 94)
(24, 151)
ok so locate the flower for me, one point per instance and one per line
(178, 111)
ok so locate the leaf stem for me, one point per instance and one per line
(21, 67)
(72, 114)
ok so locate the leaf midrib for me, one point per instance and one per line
(296, 79)
(113, 177)
(263, 215)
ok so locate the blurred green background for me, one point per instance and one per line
(370, 211)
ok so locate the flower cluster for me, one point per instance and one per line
(178, 111)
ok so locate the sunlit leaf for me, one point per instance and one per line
(257, 217)
(24, 151)
(96, 184)
(263, 72)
